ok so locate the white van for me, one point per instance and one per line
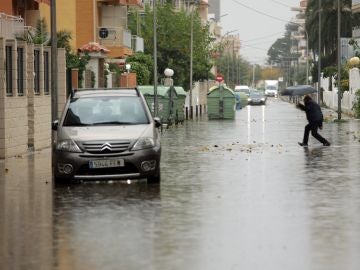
(243, 88)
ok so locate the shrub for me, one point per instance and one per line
(357, 104)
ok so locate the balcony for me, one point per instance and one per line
(10, 26)
(138, 3)
(114, 37)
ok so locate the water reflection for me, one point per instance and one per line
(26, 213)
(333, 190)
(96, 224)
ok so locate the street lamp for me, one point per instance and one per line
(155, 61)
(127, 67)
(339, 59)
(228, 60)
(319, 59)
(168, 72)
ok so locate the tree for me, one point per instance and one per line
(173, 36)
(270, 73)
(141, 64)
(38, 35)
(329, 8)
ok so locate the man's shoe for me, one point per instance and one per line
(303, 144)
(326, 144)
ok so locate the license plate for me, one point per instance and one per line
(106, 163)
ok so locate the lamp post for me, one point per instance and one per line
(228, 60)
(339, 59)
(168, 72)
(191, 61)
(319, 58)
(128, 67)
(54, 66)
(155, 62)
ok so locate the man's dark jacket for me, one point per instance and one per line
(313, 111)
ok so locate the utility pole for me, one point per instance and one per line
(54, 66)
(319, 57)
(339, 59)
(253, 76)
(155, 62)
(191, 60)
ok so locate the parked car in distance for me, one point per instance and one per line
(242, 88)
(106, 135)
(257, 98)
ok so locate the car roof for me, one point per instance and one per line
(242, 87)
(94, 92)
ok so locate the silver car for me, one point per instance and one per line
(105, 135)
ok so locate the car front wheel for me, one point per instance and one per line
(154, 179)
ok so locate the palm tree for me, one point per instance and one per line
(328, 27)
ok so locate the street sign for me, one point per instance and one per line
(219, 78)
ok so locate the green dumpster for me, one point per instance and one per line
(221, 103)
(180, 104)
(167, 99)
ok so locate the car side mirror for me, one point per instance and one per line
(54, 125)
(157, 122)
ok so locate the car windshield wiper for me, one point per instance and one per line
(76, 125)
(114, 123)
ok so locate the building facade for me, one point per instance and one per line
(215, 8)
(25, 79)
(299, 37)
(101, 21)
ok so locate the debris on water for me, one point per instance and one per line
(205, 149)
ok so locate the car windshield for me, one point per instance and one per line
(256, 94)
(271, 87)
(109, 110)
(246, 91)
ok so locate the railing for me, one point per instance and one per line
(114, 37)
(10, 25)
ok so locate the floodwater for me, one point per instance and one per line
(234, 195)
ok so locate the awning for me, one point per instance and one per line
(138, 3)
(43, 1)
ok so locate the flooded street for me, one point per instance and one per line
(234, 195)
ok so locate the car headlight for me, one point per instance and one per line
(262, 99)
(143, 143)
(249, 99)
(68, 146)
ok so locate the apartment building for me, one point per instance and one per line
(25, 100)
(100, 21)
(299, 46)
(215, 8)
(201, 5)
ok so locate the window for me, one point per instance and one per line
(9, 71)
(20, 71)
(46, 74)
(37, 72)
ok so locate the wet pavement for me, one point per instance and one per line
(234, 195)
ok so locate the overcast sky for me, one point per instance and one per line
(257, 32)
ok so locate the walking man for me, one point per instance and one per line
(315, 118)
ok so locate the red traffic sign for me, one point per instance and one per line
(219, 78)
